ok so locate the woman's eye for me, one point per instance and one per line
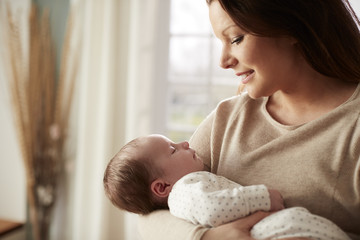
(237, 40)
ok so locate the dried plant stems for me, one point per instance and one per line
(41, 104)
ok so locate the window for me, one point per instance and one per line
(195, 82)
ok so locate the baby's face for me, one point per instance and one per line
(174, 159)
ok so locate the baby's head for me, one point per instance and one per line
(140, 176)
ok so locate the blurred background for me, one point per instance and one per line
(146, 66)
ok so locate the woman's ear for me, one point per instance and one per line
(160, 188)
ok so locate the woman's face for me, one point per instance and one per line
(264, 65)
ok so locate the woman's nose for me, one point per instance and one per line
(227, 60)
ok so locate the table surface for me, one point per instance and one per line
(7, 226)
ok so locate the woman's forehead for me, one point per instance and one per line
(220, 20)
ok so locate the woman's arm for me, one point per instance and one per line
(161, 225)
(239, 229)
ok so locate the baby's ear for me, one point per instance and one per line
(160, 188)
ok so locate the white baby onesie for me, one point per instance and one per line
(211, 200)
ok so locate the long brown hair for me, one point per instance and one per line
(327, 32)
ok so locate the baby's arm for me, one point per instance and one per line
(210, 200)
(297, 222)
(277, 201)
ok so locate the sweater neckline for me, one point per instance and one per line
(292, 127)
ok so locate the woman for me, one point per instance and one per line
(297, 129)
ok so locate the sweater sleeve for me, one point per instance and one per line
(161, 225)
(210, 200)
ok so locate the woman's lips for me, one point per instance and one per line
(245, 77)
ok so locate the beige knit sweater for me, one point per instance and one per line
(315, 165)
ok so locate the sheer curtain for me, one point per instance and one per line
(114, 103)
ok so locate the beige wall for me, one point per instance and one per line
(12, 179)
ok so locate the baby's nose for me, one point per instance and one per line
(185, 145)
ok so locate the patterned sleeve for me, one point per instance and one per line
(210, 200)
(297, 222)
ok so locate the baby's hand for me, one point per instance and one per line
(277, 202)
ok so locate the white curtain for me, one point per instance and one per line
(113, 105)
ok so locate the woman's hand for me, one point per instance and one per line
(239, 229)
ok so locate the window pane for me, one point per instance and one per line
(229, 83)
(188, 106)
(196, 83)
(189, 16)
(217, 71)
(189, 56)
(221, 92)
(179, 136)
(201, 79)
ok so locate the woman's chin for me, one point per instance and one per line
(253, 93)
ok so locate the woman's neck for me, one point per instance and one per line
(307, 100)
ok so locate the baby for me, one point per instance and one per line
(152, 172)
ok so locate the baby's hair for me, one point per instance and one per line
(127, 180)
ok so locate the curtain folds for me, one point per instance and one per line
(114, 104)
(98, 97)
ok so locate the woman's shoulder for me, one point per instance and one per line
(235, 100)
(236, 104)
(351, 108)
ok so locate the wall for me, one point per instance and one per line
(12, 179)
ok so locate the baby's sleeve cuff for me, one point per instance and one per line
(257, 198)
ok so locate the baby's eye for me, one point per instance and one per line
(173, 150)
(237, 40)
